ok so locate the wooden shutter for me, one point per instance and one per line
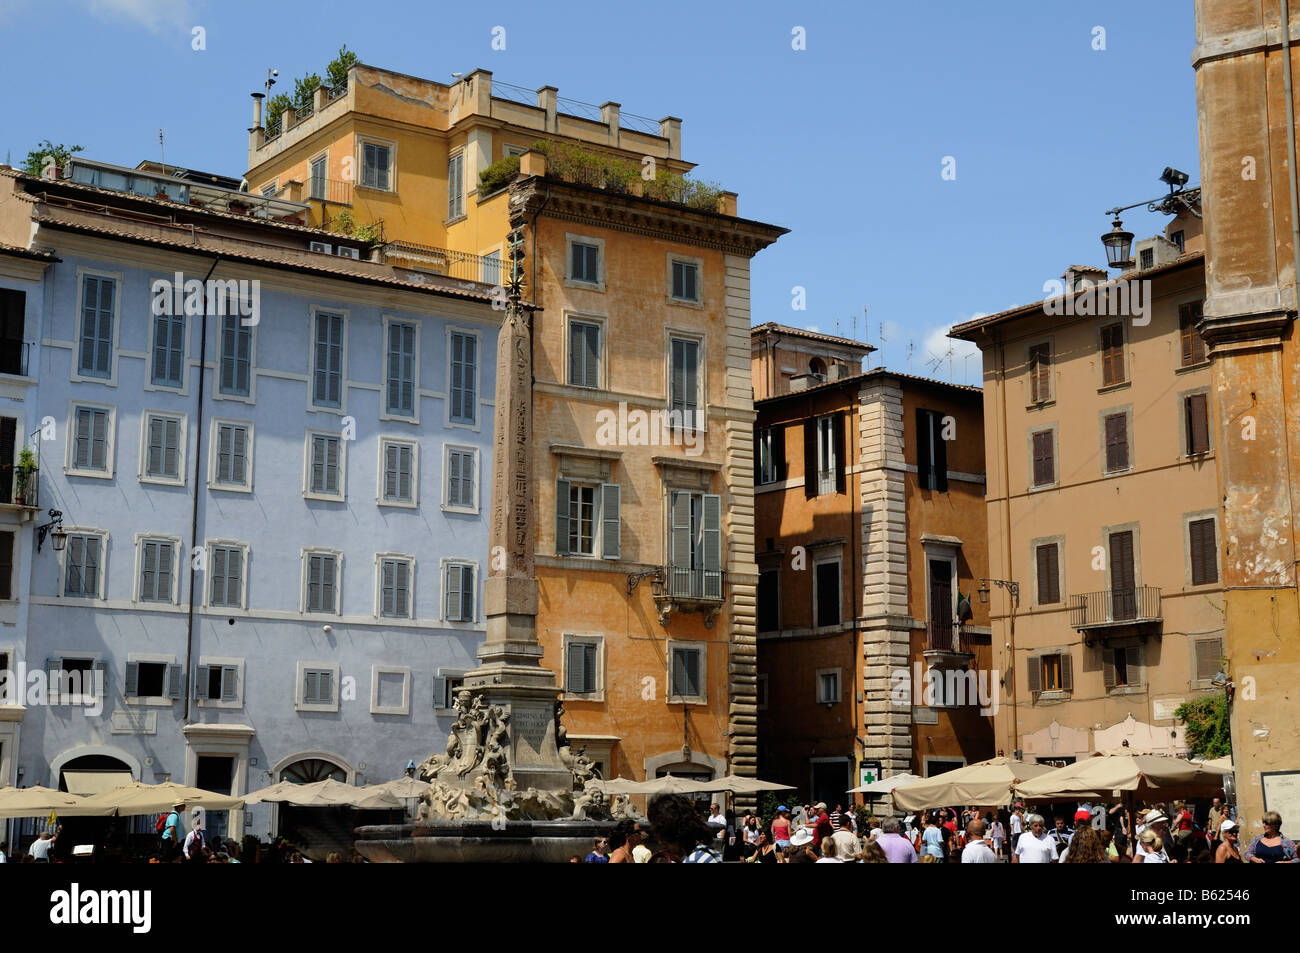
(1123, 593)
(940, 453)
(1034, 669)
(1209, 656)
(229, 683)
(680, 548)
(1204, 552)
(467, 593)
(440, 691)
(1044, 459)
(1046, 557)
(778, 451)
(924, 457)
(132, 687)
(610, 520)
(6, 565)
(8, 441)
(315, 598)
(1198, 423)
(1116, 443)
(562, 488)
(238, 454)
(454, 600)
(99, 679)
(712, 532)
(837, 446)
(174, 676)
(1112, 345)
(1040, 372)
(1067, 672)
(1193, 345)
(810, 458)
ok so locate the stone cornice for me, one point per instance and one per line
(629, 213)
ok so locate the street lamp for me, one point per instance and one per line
(1011, 587)
(54, 529)
(1119, 245)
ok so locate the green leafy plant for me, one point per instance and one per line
(25, 469)
(575, 164)
(498, 175)
(344, 224)
(275, 107)
(1207, 731)
(36, 160)
(668, 186)
(337, 69)
(304, 92)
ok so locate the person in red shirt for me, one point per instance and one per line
(822, 827)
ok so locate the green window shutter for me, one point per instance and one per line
(610, 519)
(453, 584)
(229, 683)
(311, 688)
(680, 549)
(239, 455)
(712, 532)
(562, 517)
(174, 676)
(576, 674)
(402, 588)
(202, 675)
(131, 690)
(467, 593)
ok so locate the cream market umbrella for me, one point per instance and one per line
(984, 783)
(282, 792)
(652, 786)
(327, 793)
(140, 798)
(37, 801)
(738, 784)
(1110, 775)
(885, 785)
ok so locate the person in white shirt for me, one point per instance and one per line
(1150, 846)
(847, 845)
(716, 817)
(40, 848)
(1035, 846)
(194, 842)
(1017, 827)
(977, 850)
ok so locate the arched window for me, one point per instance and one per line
(313, 769)
(817, 368)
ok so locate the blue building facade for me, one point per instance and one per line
(275, 511)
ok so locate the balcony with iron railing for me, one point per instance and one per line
(445, 261)
(946, 644)
(682, 589)
(1114, 608)
(332, 191)
(19, 486)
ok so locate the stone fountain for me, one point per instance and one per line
(506, 787)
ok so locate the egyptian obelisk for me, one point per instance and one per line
(510, 670)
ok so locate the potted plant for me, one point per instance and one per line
(26, 474)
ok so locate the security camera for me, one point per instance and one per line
(327, 629)
(1008, 645)
(275, 72)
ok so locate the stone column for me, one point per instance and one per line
(510, 670)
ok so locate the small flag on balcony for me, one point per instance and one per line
(964, 613)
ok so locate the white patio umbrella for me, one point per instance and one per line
(883, 786)
(37, 801)
(141, 798)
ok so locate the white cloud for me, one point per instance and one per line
(156, 16)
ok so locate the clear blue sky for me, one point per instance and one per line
(841, 142)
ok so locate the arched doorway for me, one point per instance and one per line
(310, 770)
(85, 775)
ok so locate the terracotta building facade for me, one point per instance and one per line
(870, 542)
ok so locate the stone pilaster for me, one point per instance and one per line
(885, 627)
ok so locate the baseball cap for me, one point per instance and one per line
(819, 806)
(782, 808)
(1228, 825)
(1082, 816)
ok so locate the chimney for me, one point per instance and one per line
(799, 382)
(670, 127)
(548, 99)
(609, 113)
(257, 109)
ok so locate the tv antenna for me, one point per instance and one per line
(910, 348)
(935, 362)
(162, 148)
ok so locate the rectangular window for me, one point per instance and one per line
(1040, 373)
(318, 686)
(684, 281)
(1119, 667)
(325, 465)
(1208, 659)
(169, 350)
(1196, 414)
(1116, 442)
(1051, 673)
(90, 442)
(1047, 558)
(163, 450)
(236, 356)
(374, 166)
(686, 680)
(1147, 258)
(70, 679)
(81, 569)
(1044, 459)
(216, 682)
(1193, 345)
(1123, 576)
(97, 296)
(828, 593)
(588, 519)
(582, 520)
(456, 186)
(769, 600)
(464, 378)
(395, 588)
(151, 679)
(582, 668)
(401, 369)
(13, 309)
(684, 393)
(931, 451)
(1112, 354)
(769, 456)
(327, 390)
(459, 587)
(322, 582)
(460, 478)
(1204, 552)
(827, 458)
(316, 188)
(584, 264)
(155, 570)
(584, 354)
(399, 468)
(828, 688)
(232, 456)
(490, 269)
(8, 448)
(226, 571)
(695, 545)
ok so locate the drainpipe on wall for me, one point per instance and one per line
(1010, 674)
(194, 509)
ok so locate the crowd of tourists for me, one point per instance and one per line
(1179, 832)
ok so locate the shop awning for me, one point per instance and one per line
(95, 782)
